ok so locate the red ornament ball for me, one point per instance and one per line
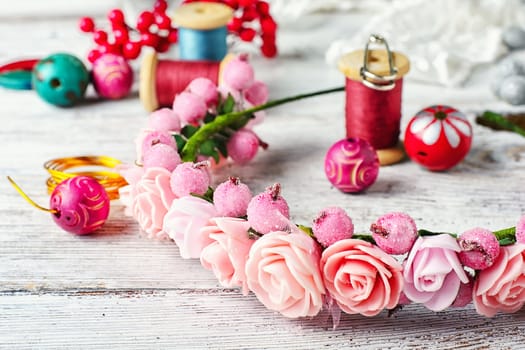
(438, 137)
(351, 165)
(81, 205)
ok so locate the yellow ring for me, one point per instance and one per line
(111, 180)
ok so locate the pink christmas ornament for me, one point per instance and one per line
(190, 178)
(81, 205)
(351, 165)
(438, 137)
(161, 156)
(157, 137)
(257, 93)
(112, 76)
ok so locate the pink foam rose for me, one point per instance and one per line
(184, 221)
(361, 277)
(132, 174)
(152, 196)
(227, 255)
(433, 272)
(501, 287)
(283, 272)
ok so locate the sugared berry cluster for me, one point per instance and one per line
(153, 29)
(169, 129)
(252, 18)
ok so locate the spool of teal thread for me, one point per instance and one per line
(202, 30)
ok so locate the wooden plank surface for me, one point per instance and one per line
(116, 289)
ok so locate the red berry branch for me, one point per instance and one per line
(154, 29)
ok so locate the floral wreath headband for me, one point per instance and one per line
(250, 241)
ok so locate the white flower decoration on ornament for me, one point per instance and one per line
(432, 120)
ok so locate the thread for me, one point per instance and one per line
(202, 44)
(111, 180)
(172, 77)
(373, 115)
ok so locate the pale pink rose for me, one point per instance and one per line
(501, 287)
(433, 272)
(283, 272)
(152, 196)
(227, 255)
(361, 277)
(132, 174)
(184, 221)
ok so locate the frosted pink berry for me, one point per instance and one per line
(479, 248)
(238, 73)
(165, 119)
(191, 108)
(190, 178)
(268, 211)
(464, 296)
(162, 156)
(243, 146)
(155, 137)
(332, 224)
(257, 93)
(394, 233)
(206, 89)
(520, 230)
(231, 198)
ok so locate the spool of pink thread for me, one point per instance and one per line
(112, 76)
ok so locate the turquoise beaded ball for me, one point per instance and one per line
(60, 79)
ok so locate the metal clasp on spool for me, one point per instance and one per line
(372, 80)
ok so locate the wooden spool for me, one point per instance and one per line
(379, 75)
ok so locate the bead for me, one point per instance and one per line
(351, 165)
(144, 21)
(514, 37)
(512, 90)
(112, 76)
(438, 137)
(60, 79)
(116, 16)
(100, 37)
(121, 35)
(86, 24)
(149, 39)
(81, 205)
(247, 34)
(131, 50)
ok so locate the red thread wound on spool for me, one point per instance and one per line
(172, 77)
(373, 115)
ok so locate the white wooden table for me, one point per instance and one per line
(117, 289)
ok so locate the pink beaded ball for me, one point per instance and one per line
(81, 204)
(351, 165)
(112, 76)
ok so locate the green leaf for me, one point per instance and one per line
(189, 130)
(181, 142)
(221, 147)
(209, 148)
(507, 241)
(209, 117)
(307, 230)
(228, 105)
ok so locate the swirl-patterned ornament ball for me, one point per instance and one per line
(112, 76)
(351, 165)
(81, 205)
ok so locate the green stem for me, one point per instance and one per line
(189, 151)
(431, 233)
(495, 120)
